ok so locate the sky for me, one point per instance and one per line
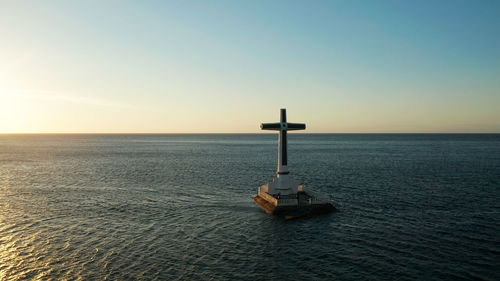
(226, 66)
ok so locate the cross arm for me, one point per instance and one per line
(270, 126)
(296, 126)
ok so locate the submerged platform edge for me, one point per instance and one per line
(269, 208)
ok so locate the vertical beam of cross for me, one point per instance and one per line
(283, 126)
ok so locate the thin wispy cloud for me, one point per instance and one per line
(35, 94)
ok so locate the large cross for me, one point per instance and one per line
(283, 127)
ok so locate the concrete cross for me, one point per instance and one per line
(283, 127)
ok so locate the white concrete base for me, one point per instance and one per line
(283, 185)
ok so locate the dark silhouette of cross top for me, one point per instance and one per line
(283, 127)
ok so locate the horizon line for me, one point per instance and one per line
(264, 133)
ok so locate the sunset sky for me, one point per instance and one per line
(226, 66)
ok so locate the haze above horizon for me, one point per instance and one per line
(227, 66)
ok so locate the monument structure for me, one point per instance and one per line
(284, 196)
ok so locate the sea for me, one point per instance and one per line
(179, 207)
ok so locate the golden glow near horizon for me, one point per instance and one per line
(80, 67)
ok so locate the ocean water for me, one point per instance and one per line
(179, 207)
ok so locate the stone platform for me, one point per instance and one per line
(283, 205)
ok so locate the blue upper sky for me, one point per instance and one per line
(225, 66)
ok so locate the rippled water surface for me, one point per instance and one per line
(172, 207)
